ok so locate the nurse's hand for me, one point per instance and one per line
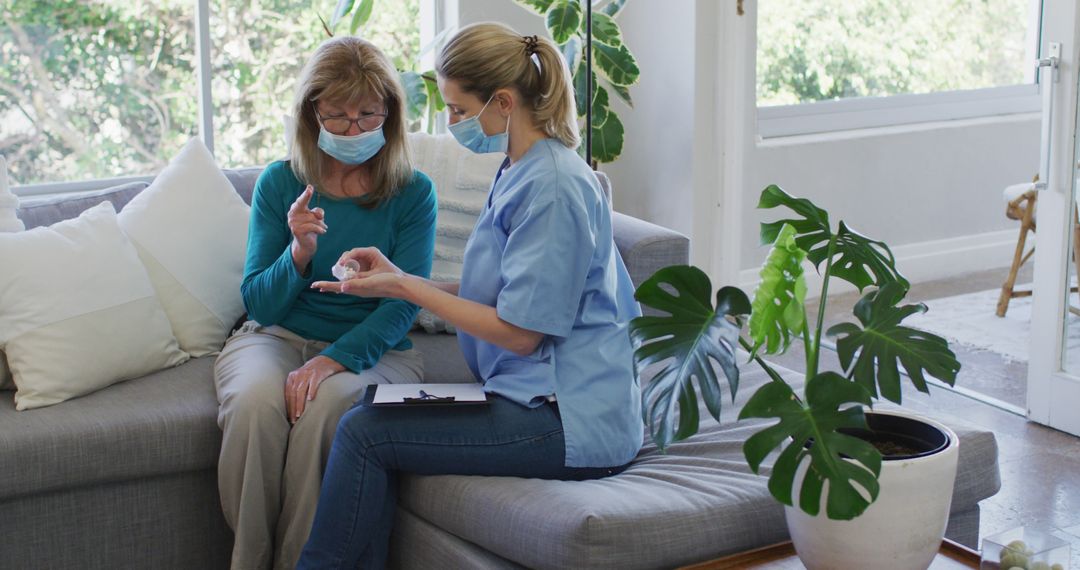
(371, 260)
(377, 285)
(303, 384)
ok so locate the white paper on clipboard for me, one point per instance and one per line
(396, 393)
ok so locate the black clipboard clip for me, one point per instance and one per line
(426, 398)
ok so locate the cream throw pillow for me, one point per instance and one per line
(77, 310)
(190, 229)
(9, 222)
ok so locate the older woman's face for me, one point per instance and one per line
(366, 114)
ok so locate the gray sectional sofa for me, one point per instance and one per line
(126, 477)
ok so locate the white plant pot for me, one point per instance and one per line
(901, 530)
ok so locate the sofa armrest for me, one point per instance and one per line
(646, 247)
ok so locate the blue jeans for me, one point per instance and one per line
(359, 493)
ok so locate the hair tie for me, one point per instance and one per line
(531, 43)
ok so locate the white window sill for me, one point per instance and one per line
(862, 114)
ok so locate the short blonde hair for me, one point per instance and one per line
(344, 70)
(489, 56)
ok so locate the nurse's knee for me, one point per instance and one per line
(359, 429)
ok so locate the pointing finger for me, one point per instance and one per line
(305, 198)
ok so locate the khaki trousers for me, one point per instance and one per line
(270, 472)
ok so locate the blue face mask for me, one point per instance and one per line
(471, 135)
(354, 149)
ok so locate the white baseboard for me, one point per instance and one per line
(924, 261)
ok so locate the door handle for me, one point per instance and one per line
(1048, 78)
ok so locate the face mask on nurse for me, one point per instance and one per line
(471, 135)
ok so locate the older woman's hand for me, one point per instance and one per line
(306, 226)
(303, 384)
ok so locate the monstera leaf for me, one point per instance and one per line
(778, 311)
(846, 462)
(862, 261)
(858, 260)
(416, 94)
(883, 346)
(692, 336)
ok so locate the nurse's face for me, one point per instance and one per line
(461, 105)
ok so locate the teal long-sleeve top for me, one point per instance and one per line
(275, 293)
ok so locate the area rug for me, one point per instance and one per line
(969, 320)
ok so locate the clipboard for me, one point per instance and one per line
(411, 395)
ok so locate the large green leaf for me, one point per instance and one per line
(624, 93)
(361, 15)
(849, 464)
(862, 261)
(434, 95)
(434, 102)
(580, 88)
(607, 143)
(692, 336)
(600, 108)
(857, 259)
(613, 8)
(571, 52)
(873, 354)
(779, 311)
(343, 7)
(604, 29)
(616, 64)
(812, 229)
(563, 20)
(416, 95)
(539, 6)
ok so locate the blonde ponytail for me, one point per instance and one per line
(489, 56)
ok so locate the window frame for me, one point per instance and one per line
(435, 15)
(818, 117)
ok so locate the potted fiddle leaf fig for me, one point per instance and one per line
(874, 474)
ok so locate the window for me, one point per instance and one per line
(819, 55)
(94, 89)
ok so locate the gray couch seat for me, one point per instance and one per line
(696, 501)
(160, 424)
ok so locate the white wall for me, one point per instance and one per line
(937, 185)
(652, 179)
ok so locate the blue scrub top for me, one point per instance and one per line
(543, 255)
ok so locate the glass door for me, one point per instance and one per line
(1054, 369)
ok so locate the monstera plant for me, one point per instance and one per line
(698, 339)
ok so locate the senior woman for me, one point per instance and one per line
(285, 378)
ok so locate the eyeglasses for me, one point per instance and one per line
(341, 125)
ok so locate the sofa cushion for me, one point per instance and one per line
(162, 423)
(63, 341)
(188, 216)
(695, 502)
(35, 212)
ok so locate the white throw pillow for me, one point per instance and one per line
(462, 181)
(190, 229)
(77, 310)
(9, 222)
